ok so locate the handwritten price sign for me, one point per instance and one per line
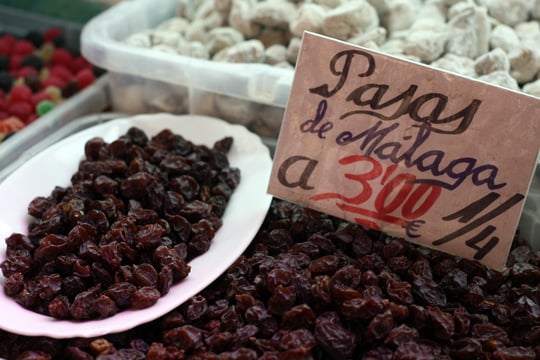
(439, 159)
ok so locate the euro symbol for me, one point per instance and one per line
(412, 227)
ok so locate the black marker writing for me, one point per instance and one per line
(426, 109)
(302, 181)
(316, 125)
(466, 214)
(372, 143)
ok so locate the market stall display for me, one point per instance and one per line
(314, 287)
(309, 285)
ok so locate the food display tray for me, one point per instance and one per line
(30, 145)
(18, 22)
(93, 99)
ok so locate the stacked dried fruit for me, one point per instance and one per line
(137, 211)
(314, 287)
(37, 72)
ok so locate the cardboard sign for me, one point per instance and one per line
(436, 158)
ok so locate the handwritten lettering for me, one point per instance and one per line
(343, 73)
(371, 143)
(469, 212)
(412, 227)
(307, 170)
(414, 108)
(404, 149)
(314, 126)
(427, 109)
(397, 194)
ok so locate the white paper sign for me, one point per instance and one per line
(439, 159)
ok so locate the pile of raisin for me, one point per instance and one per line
(123, 232)
(311, 286)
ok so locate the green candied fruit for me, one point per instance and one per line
(44, 107)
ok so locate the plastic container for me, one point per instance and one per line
(145, 80)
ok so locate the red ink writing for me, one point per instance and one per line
(397, 193)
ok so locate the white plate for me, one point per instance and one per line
(55, 165)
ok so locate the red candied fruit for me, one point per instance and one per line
(62, 72)
(6, 44)
(24, 71)
(20, 92)
(20, 109)
(30, 119)
(79, 63)
(23, 48)
(85, 77)
(8, 38)
(5, 48)
(61, 57)
(15, 62)
(49, 73)
(39, 97)
(52, 81)
(10, 124)
(52, 33)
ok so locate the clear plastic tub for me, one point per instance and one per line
(145, 80)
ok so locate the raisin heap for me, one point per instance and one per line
(136, 212)
(311, 286)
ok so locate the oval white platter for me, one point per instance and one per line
(244, 215)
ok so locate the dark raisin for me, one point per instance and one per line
(144, 297)
(337, 341)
